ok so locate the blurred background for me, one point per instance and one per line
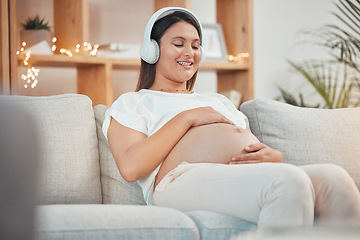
(278, 38)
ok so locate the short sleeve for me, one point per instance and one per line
(127, 111)
(231, 107)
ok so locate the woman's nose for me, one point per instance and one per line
(189, 51)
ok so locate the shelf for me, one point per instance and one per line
(225, 66)
(117, 63)
(57, 60)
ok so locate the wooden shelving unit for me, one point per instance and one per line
(118, 63)
(94, 74)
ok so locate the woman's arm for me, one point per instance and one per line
(137, 155)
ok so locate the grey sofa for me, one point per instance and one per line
(81, 194)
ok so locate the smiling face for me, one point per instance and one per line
(180, 56)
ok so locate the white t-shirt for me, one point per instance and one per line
(147, 111)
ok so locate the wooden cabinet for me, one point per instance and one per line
(94, 74)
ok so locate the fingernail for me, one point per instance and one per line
(233, 158)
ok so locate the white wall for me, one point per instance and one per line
(276, 27)
(277, 38)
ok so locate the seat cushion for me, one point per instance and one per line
(308, 135)
(69, 166)
(112, 222)
(217, 226)
(115, 189)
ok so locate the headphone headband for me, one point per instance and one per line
(163, 12)
(149, 50)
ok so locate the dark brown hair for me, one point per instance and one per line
(148, 71)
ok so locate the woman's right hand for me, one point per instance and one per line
(205, 115)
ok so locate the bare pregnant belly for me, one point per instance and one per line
(213, 143)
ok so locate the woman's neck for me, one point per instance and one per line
(172, 87)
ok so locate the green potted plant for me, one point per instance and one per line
(35, 30)
(337, 79)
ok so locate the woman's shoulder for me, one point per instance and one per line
(215, 95)
(130, 97)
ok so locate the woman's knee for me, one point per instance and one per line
(294, 182)
(290, 195)
(329, 176)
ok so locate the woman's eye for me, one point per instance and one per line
(178, 45)
(196, 48)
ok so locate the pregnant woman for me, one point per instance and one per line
(194, 151)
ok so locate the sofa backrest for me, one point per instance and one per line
(308, 135)
(115, 189)
(69, 165)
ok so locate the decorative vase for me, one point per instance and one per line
(34, 36)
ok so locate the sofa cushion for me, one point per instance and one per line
(115, 189)
(308, 135)
(219, 226)
(69, 166)
(113, 222)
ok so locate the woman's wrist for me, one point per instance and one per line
(185, 118)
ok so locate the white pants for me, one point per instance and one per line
(269, 194)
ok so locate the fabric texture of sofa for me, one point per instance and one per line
(308, 135)
(83, 196)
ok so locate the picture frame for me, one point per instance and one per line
(214, 43)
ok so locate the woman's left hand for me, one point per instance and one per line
(258, 153)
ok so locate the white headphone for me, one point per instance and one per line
(150, 51)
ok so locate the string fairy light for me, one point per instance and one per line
(84, 47)
(238, 58)
(53, 47)
(30, 77)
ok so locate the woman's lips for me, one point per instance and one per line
(185, 64)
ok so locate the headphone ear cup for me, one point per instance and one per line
(150, 52)
(154, 51)
(203, 56)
